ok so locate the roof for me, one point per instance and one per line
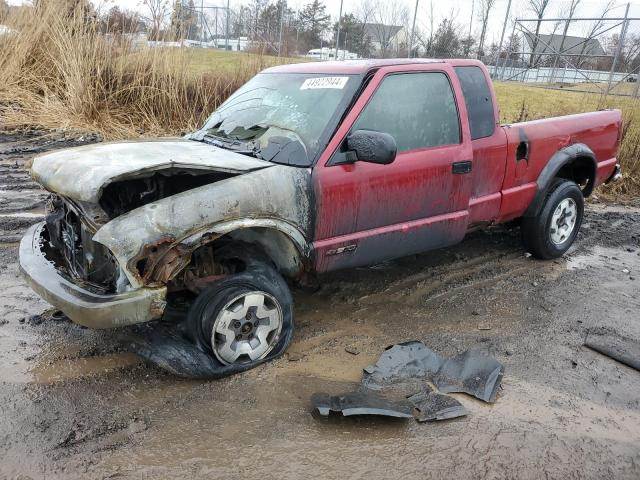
(571, 45)
(347, 66)
(380, 32)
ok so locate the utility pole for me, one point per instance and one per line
(504, 27)
(226, 30)
(473, 4)
(284, 7)
(338, 32)
(201, 23)
(413, 30)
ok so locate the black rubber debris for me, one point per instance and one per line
(432, 406)
(364, 402)
(621, 349)
(169, 348)
(472, 372)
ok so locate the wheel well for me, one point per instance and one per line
(275, 245)
(235, 252)
(580, 170)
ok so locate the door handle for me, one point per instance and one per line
(460, 168)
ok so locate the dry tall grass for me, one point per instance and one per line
(56, 71)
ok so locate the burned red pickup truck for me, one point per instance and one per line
(307, 168)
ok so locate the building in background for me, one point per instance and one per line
(385, 40)
(578, 50)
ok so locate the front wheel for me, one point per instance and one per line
(550, 233)
(245, 319)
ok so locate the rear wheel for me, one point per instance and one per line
(550, 233)
(245, 318)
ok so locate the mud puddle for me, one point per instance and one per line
(75, 406)
(608, 258)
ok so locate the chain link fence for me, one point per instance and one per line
(599, 54)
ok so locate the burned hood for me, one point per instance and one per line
(81, 173)
(277, 198)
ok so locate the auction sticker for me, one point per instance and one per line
(324, 82)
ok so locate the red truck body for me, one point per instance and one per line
(377, 212)
(326, 166)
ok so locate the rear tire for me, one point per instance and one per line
(549, 234)
(244, 319)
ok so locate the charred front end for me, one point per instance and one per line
(129, 224)
(68, 244)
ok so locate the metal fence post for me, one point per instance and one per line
(504, 27)
(623, 33)
(509, 52)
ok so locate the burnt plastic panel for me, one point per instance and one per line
(361, 403)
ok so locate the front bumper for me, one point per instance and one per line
(79, 304)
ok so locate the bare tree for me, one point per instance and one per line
(158, 10)
(569, 12)
(485, 9)
(426, 40)
(538, 7)
(593, 31)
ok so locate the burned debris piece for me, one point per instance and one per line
(432, 406)
(408, 360)
(472, 372)
(364, 402)
(621, 349)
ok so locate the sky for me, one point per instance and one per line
(459, 10)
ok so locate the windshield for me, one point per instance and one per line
(281, 117)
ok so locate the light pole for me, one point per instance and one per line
(338, 32)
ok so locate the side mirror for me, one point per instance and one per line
(374, 147)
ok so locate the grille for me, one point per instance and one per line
(81, 257)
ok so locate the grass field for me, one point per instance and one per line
(206, 61)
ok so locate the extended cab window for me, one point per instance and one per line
(477, 98)
(417, 109)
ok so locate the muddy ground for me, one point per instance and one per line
(75, 405)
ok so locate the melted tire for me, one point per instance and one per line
(535, 231)
(211, 300)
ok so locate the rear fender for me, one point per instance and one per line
(558, 161)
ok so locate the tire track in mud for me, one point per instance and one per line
(553, 417)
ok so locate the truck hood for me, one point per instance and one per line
(81, 173)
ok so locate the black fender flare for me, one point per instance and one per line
(559, 159)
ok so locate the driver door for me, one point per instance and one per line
(368, 213)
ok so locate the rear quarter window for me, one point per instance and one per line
(477, 98)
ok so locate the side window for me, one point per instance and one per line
(417, 109)
(477, 98)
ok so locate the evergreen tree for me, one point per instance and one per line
(314, 22)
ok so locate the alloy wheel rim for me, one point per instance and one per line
(247, 328)
(563, 221)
